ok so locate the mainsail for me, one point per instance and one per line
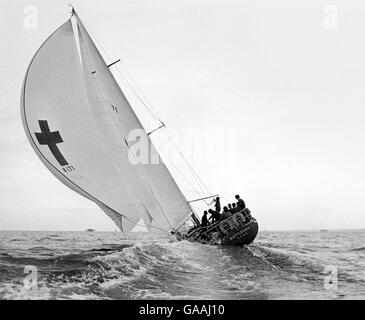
(78, 121)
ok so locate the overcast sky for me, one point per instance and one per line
(285, 79)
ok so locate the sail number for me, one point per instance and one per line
(68, 168)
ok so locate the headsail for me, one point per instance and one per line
(78, 122)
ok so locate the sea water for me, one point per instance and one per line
(111, 265)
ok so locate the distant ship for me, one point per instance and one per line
(90, 230)
(79, 123)
(323, 230)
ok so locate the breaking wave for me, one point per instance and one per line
(165, 269)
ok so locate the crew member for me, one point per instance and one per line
(214, 215)
(205, 219)
(240, 203)
(217, 205)
(226, 213)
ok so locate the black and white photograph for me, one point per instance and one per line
(182, 150)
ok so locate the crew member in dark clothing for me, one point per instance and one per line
(234, 208)
(204, 219)
(217, 205)
(240, 203)
(226, 213)
(214, 215)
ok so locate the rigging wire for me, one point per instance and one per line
(170, 161)
(142, 98)
(192, 191)
(149, 107)
(135, 88)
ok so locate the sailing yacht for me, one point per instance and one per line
(78, 121)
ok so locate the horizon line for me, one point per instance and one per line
(266, 230)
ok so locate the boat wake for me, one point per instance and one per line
(165, 269)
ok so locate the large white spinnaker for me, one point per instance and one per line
(78, 121)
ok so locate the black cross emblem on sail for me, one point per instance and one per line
(51, 139)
